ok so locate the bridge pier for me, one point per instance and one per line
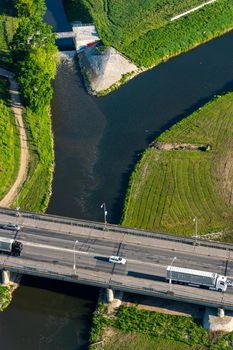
(109, 295)
(6, 277)
(221, 312)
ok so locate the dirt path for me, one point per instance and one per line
(10, 197)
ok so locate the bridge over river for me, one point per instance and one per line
(78, 251)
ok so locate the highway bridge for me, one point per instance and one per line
(78, 251)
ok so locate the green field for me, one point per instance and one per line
(170, 187)
(134, 341)
(9, 141)
(142, 29)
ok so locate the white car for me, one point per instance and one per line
(117, 260)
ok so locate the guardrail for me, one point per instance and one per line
(97, 281)
(119, 229)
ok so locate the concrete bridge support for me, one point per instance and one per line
(110, 295)
(221, 312)
(6, 277)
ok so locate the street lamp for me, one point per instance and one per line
(74, 265)
(17, 214)
(195, 220)
(170, 279)
(103, 205)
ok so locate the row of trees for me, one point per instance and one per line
(34, 53)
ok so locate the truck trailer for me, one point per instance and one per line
(10, 246)
(198, 278)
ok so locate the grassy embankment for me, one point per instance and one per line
(35, 65)
(170, 187)
(143, 31)
(9, 142)
(134, 329)
(36, 191)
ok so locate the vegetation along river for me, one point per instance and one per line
(97, 143)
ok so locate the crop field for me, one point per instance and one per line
(142, 29)
(170, 187)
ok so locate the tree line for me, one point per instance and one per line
(34, 53)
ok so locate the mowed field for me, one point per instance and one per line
(171, 187)
(142, 30)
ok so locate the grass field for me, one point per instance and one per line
(133, 341)
(9, 141)
(170, 187)
(142, 29)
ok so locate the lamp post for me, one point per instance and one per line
(17, 214)
(170, 279)
(195, 220)
(74, 265)
(103, 205)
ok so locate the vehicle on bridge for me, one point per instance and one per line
(11, 227)
(198, 278)
(10, 246)
(117, 260)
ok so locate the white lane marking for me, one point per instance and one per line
(45, 246)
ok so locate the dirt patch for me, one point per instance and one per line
(163, 306)
(164, 146)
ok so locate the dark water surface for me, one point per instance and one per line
(48, 315)
(98, 140)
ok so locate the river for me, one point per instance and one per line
(97, 144)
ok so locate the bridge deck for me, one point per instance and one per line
(50, 251)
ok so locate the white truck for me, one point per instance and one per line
(211, 280)
(10, 246)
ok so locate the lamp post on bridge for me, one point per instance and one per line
(170, 279)
(103, 205)
(195, 220)
(74, 265)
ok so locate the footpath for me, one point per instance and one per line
(16, 106)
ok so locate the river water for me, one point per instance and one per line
(99, 140)
(97, 143)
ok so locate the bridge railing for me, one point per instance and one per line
(119, 229)
(94, 280)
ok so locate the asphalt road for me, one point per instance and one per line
(49, 248)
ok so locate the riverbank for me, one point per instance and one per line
(172, 185)
(30, 64)
(148, 37)
(21, 141)
(9, 142)
(137, 327)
